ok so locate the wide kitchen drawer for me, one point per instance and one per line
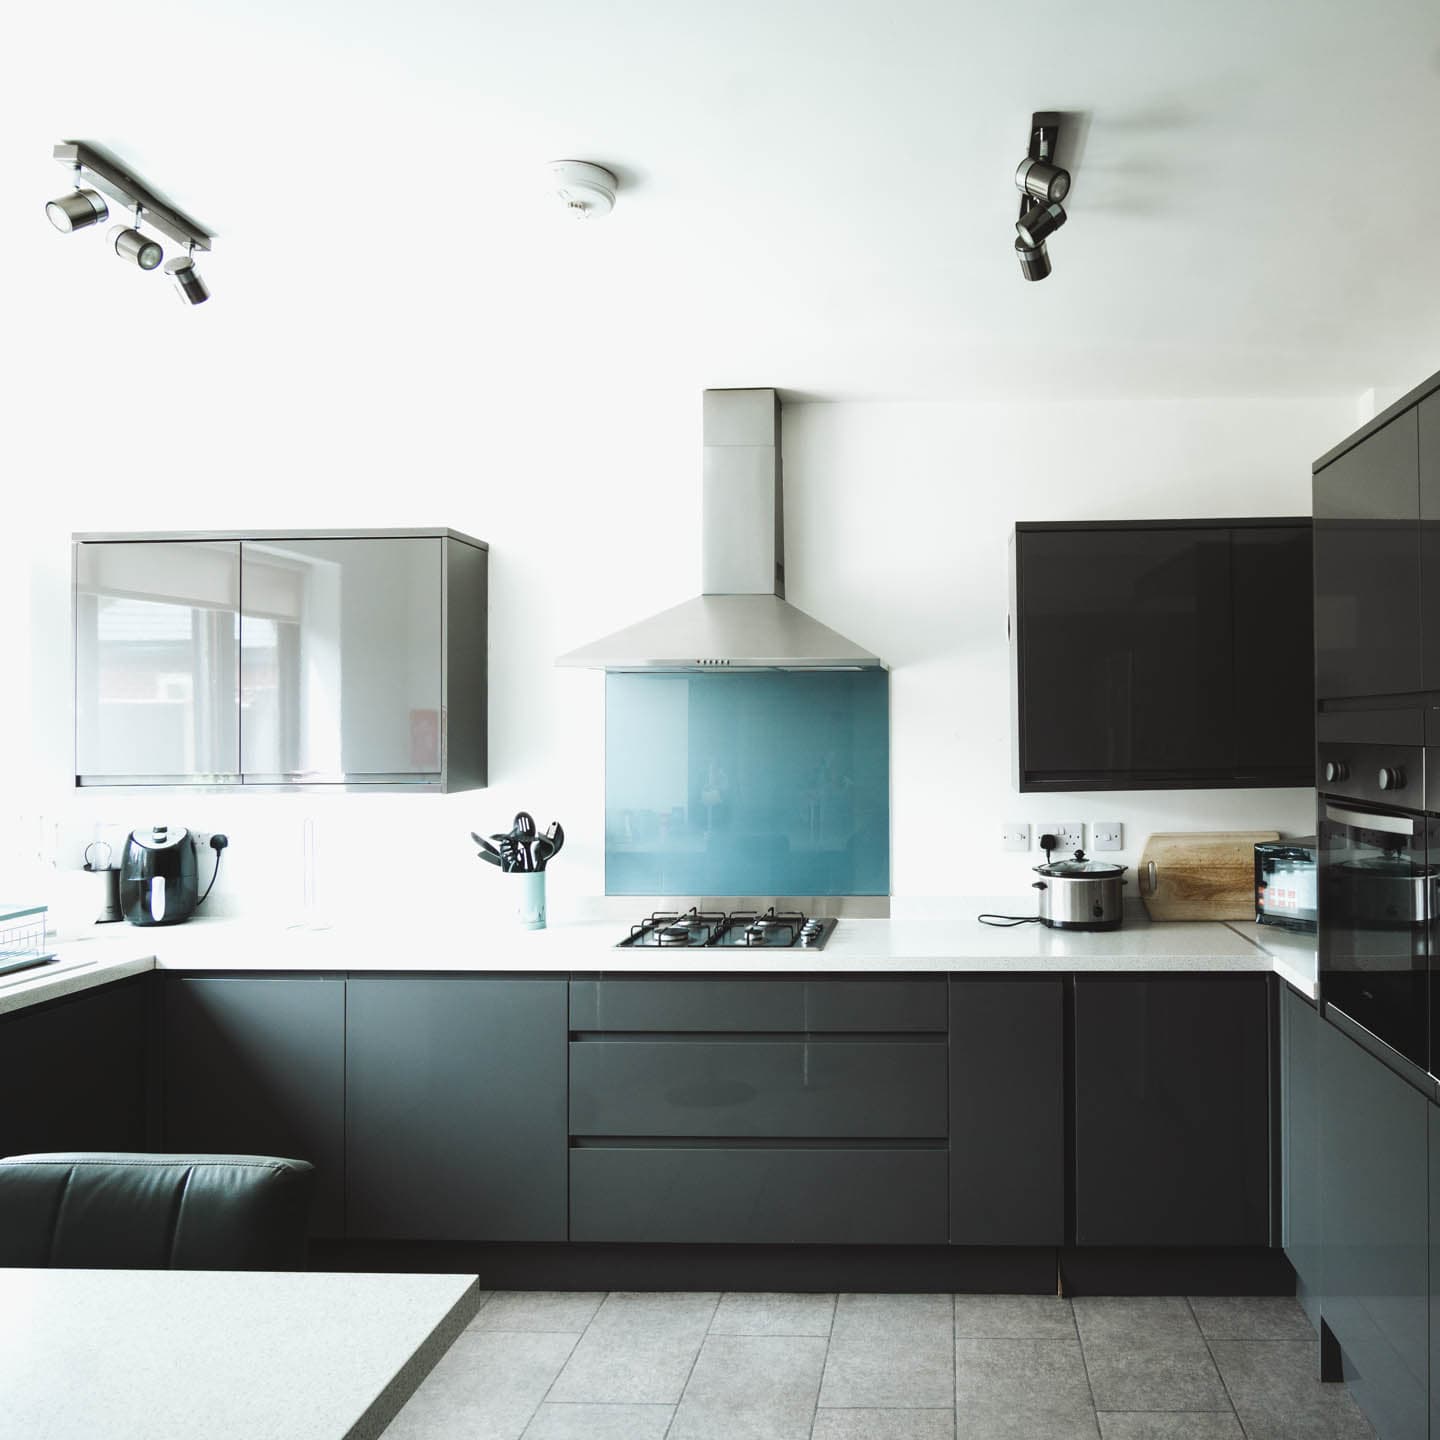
(749, 1004)
(739, 1087)
(758, 1195)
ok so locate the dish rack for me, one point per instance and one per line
(23, 929)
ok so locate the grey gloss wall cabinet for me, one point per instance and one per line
(1172, 1110)
(255, 1065)
(1007, 1112)
(758, 1111)
(1375, 1223)
(455, 1108)
(308, 659)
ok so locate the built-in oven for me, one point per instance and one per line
(1379, 903)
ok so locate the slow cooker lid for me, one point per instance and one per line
(1079, 868)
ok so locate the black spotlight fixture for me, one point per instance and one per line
(96, 174)
(1042, 185)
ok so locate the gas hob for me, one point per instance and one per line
(715, 929)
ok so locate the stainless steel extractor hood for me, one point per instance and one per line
(742, 620)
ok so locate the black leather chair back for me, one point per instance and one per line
(98, 1210)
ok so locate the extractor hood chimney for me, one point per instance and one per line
(742, 620)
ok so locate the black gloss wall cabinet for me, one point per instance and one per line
(255, 1065)
(1367, 566)
(1172, 1110)
(455, 1091)
(1162, 654)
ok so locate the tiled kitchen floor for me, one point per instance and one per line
(592, 1366)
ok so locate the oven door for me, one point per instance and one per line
(1378, 902)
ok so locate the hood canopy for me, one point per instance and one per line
(742, 621)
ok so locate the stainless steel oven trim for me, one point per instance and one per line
(1367, 820)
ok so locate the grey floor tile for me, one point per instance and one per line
(773, 1314)
(600, 1422)
(636, 1367)
(1153, 1426)
(1158, 1375)
(752, 1387)
(1276, 1394)
(1043, 1375)
(1252, 1317)
(992, 1420)
(1014, 1317)
(1124, 1318)
(679, 1313)
(567, 1311)
(891, 1351)
(884, 1425)
(486, 1387)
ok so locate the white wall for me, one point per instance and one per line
(897, 525)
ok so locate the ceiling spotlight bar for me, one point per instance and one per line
(1042, 185)
(100, 172)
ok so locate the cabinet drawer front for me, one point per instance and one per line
(759, 1196)
(751, 1004)
(817, 1088)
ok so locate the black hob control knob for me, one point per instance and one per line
(1336, 770)
(1391, 777)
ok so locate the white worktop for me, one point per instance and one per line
(936, 936)
(228, 1355)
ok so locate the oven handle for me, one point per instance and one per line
(1390, 824)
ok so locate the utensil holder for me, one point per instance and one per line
(529, 898)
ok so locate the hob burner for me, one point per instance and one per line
(698, 929)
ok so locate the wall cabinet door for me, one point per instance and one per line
(1007, 1117)
(1428, 445)
(455, 1119)
(256, 1066)
(156, 662)
(73, 1073)
(1172, 1111)
(1375, 1222)
(1300, 1146)
(341, 659)
(1367, 566)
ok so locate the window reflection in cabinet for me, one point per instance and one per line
(340, 663)
(156, 636)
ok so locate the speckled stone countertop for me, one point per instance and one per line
(227, 1355)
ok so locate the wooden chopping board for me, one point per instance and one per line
(1201, 875)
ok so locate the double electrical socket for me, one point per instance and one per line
(1070, 834)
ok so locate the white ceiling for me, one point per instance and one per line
(816, 195)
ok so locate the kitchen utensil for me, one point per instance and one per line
(1080, 894)
(524, 826)
(556, 835)
(1201, 875)
(484, 844)
(490, 857)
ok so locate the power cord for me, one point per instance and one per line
(217, 844)
(1008, 922)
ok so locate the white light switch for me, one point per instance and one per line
(1015, 834)
(1107, 835)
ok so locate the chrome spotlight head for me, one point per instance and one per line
(1042, 181)
(1038, 222)
(1034, 260)
(139, 249)
(77, 210)
(188, 284)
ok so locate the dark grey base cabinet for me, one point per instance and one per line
(759, 1195)
(455, 1108)
(1172, 1110)
(1375, 1226)
(255, 1065)
(73, 1072)
(1300, 1232)
(1007, 1112)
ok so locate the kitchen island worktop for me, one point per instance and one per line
(934, 937)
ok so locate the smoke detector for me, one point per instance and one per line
(586, 191)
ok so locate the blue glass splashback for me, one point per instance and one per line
(751, 783)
